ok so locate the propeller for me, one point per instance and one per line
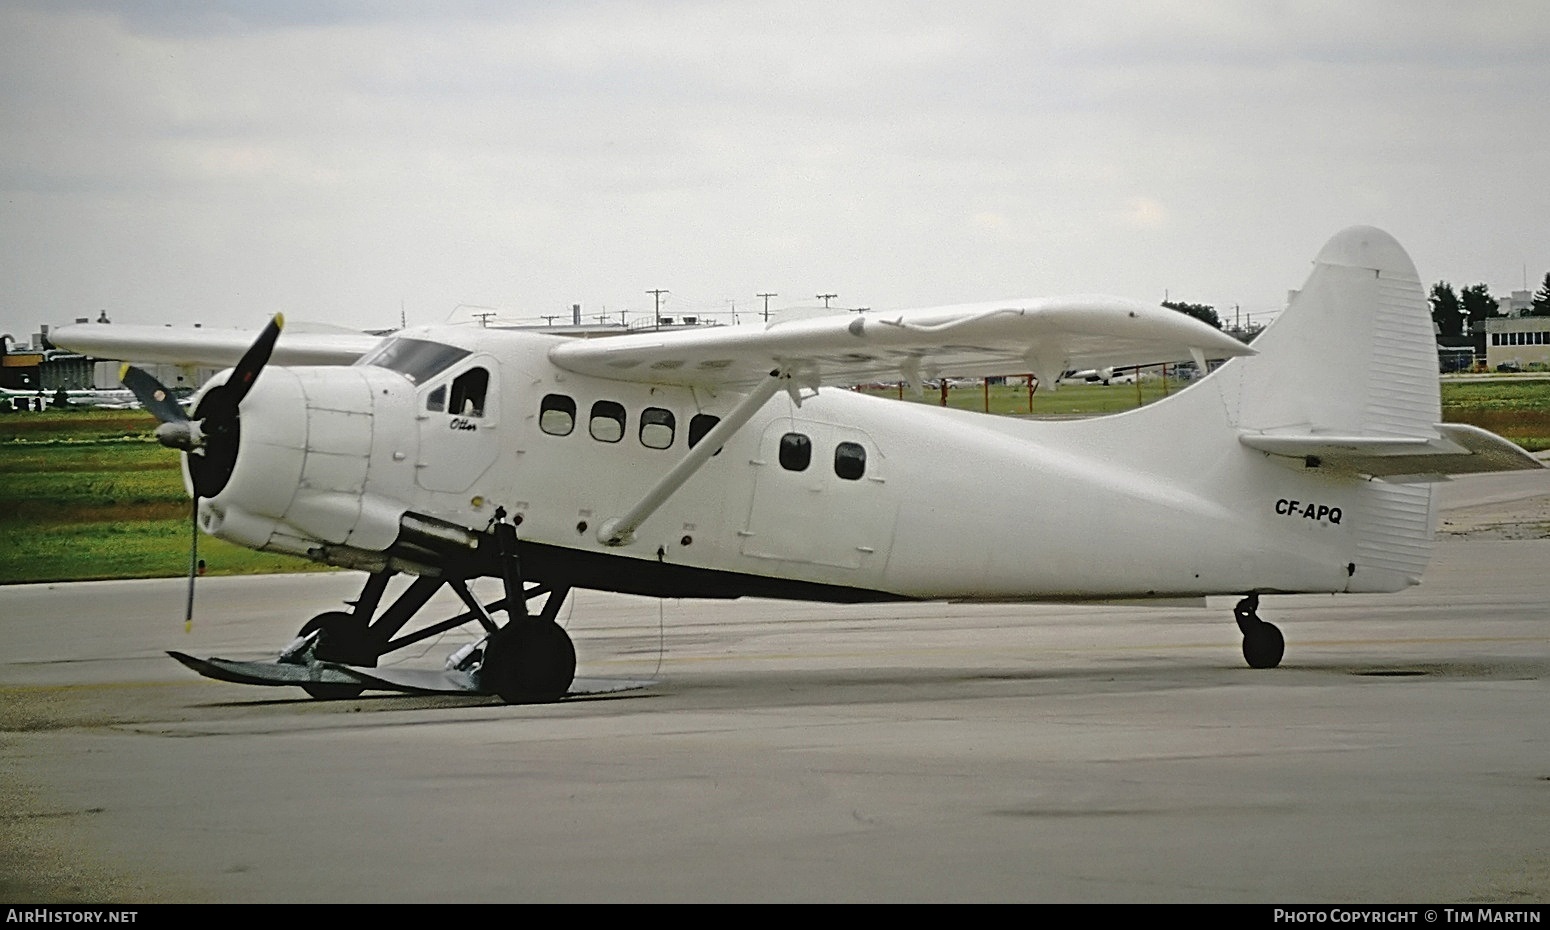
(211, 436)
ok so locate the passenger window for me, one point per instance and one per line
(849, 461)
(699, 425)
(468, 391)
(557, 415)
(657, 428)
(436, 401)
(607, 423)
(796, 451)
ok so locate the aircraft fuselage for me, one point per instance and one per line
(843, 496)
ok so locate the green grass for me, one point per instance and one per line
(1516, 409)
(87, 494)
(1069, 400)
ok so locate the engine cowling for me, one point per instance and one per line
(321, 457)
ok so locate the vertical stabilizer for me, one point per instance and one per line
(1354, 354)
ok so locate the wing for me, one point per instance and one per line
(220, 348)
(1043, 336)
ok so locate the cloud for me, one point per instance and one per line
(171, 162)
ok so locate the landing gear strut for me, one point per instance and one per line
(530, 659)
(1263, 645)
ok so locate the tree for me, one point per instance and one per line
(1446, 312)
(1478, 304)
(1542, 298)
(1205, 313)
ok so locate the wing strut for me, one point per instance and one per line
(621, 530)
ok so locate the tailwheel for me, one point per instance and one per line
(1263, 644)
(529, 662)
(341, 638)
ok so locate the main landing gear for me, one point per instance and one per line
(1263, 644)
(528, 660)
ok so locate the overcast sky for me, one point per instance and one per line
(346, 162)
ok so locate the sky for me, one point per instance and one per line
(366, 163)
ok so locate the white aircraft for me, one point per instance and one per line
(714, 463)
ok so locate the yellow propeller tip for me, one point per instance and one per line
(123, 370)
(279, 320)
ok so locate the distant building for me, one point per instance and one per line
(1518, 342)
(1518, 304)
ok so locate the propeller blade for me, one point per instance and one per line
(253, 361)
(152, 395)
(193, 567)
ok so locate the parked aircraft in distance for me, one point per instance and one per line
(108, 398)
(715, 463)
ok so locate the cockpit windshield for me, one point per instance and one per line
(415, 359)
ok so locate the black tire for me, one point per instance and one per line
(342, 640)
(529, 662)
(1263, 646)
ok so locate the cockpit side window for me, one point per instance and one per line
(415, 359)
(468, 393)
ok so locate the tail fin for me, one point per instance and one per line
(1346, 379)
(1354, 353)
(1345, 386)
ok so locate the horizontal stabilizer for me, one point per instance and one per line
(1457, 449)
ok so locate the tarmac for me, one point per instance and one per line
(793, 752)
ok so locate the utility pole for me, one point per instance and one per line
(483, 318)
(657, 293)
(826, 298)
(767, 305)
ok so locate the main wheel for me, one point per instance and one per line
(529, 662)
(342, 639)
(1263, 646)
